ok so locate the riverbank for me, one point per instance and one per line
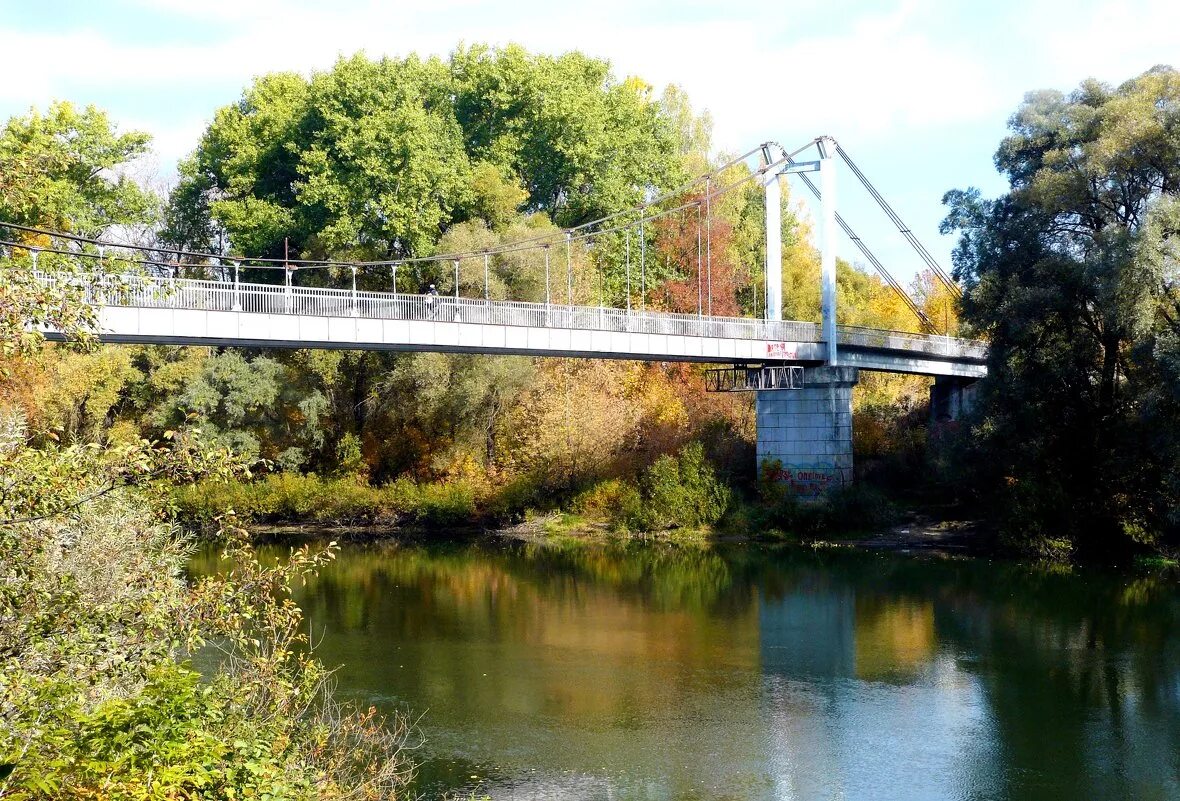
(289, 507)
(919, 534)
(677, 496)
(673, 492)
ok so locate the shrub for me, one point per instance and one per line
(97, 699)
(600, 499)
(704, 498)
(860, 507)
(441, 505)
(511, 503)
(677, 492)
(349, 459)
(613, 500)
(282, 497)
(856, 507)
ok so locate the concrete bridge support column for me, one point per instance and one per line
(805, 435)
(952, 398)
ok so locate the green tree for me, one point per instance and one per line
(273, 406)
(59, 170)
(365, 159)
(581, 142)
(680, 491)
(97, 698)
(63, 170)
(377, 159)
(447, 409)
(1072, 276)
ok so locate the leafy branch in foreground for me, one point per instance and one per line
(101, 637)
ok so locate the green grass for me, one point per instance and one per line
(289, 497)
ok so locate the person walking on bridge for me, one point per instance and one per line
(432, 302)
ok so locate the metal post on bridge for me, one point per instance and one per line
(600, 281)
(547, 299)
(397, 311)
(457, 292)
(486, 292)
(355, 312)
(237, 306)
(287, 275)
(102, 296)
(642, 263)
(774, 238)
(700, 296)
(709, 239)
(827, 180)
(569, 272)
(627, 259)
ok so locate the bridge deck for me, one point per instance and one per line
(197, 312)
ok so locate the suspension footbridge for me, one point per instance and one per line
(144, 294)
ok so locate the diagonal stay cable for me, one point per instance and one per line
(923, 319)
(918, 247)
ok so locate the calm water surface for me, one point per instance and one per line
(657, 672)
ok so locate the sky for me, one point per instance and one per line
(918, 92)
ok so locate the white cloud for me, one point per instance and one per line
(1111, 41)
(762, 72)
(884, 78)
(881, 73)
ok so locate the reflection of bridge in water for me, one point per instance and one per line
(804, 420)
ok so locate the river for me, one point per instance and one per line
(660, 672)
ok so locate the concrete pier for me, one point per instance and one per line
(952, 398)
(805, 435)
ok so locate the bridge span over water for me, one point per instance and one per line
(804, 423)
(193, 312)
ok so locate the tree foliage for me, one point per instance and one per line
(97, 622)
(1072, 276)
(64, 170)
(393, 158)
(582, 143)
(378, 159)
(97, 697)
(61, 170)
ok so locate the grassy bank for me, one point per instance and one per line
(293, 498)
(679, 496)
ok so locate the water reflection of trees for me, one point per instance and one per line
(1079, 669)
(619, 648)
(568, 656)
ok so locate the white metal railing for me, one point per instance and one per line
(933, 344)
(188, 293)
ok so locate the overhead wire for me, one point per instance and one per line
(893, 283)
(923, 319)
(904, 229)
(531, 243)
(584, 232)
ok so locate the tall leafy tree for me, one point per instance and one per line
(583, 143)
(1072, 275)
(363, 160)
(62, 169)
(377, 159)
